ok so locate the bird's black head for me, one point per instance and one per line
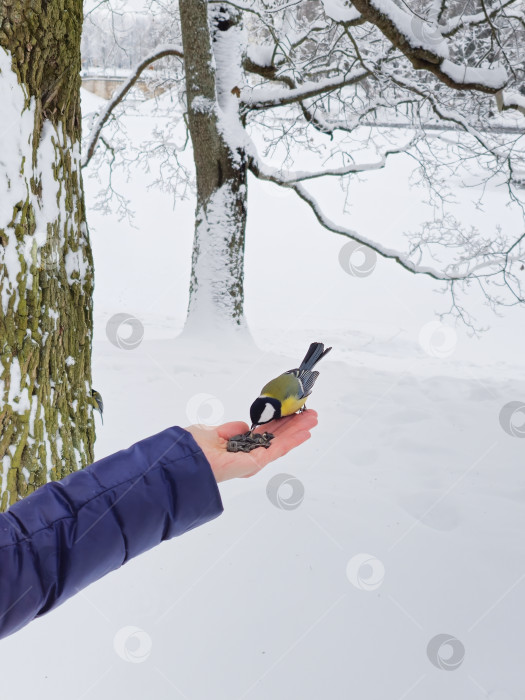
(264, 409)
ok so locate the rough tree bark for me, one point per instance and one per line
(46, 270)
(212, 55)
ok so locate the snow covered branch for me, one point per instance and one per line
(428, 53)
(266, 174)
(264, 98)
(298, 72)
(385, 252)
(287, 178)
(159, 52)
(461, 21)
(481, 260)
(510, 100)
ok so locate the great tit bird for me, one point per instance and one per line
(287, 393)
(98, 404)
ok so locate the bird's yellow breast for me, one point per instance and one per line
(291, 405)
(285, 388)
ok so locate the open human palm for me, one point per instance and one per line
(289, 432)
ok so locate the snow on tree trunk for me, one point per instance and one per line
(213, 74)
(46, 271)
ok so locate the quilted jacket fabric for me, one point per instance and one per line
(72, 532)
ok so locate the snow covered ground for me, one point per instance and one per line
(411, 524)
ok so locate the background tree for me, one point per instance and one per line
(255, 78)
(46, 271)
(337, 79)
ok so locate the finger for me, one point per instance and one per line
(227, 430)
(304, 421)
(279, 448)
(277, 426)
(298, 421)
(286, 443)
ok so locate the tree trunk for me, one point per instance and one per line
(217, 273)
(46, 270)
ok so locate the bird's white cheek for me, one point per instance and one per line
(268, 413)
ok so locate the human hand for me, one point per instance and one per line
(289, 433)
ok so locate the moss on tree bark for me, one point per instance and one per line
(46, 412)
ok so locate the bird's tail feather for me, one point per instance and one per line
(315, 352)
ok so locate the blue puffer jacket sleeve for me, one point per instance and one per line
(72, 532)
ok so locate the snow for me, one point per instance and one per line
(76, 265)
(368, 242)
(15, 148)
(212, 276)
(409, 498)
(512, 98)
(494, 78)
(16, 170)
(409, 26)
(18, 397)
(17, 157)
(228, 50)
(340, 10)
(269, 96)
(260, 54)
(202, 104)
(98, 120)
(33, 416)
(52, 204)
(427, 36)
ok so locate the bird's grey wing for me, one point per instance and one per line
(306, 380)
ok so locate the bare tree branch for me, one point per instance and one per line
(484, 256)
(385, 252)
(160, 52)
